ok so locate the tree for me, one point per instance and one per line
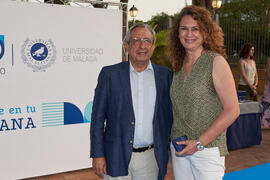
(246, 21)
(160, 55)
(204, 3)
(160, 21)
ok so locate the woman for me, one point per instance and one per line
(248, 73)
(266, 98)
(203, 95)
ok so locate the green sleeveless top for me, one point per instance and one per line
(195, 102)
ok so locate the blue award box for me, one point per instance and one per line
(242, 96)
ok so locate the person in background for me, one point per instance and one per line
(248, 73)
(265, 122)
(203, 96)
(131, 115)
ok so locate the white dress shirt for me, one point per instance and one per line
(143, 90)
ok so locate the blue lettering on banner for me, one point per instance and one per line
(15, 110)
(4, 125)
(2, 46)
(30, 123)
(19, 125)
(32, 109)
(1, 111)
(15, 124)
(53, 114)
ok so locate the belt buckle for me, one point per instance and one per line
(143, 149)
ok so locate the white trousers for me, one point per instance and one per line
(143, 166)
(202, 165)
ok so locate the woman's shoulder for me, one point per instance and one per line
(215, 56)
(214, 59)
(208, 56)
(241, 61)
(219, 59)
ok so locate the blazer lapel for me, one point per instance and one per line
(125, 82)
(158, 86)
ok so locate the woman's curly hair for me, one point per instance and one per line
(211, 32)
(244, 50)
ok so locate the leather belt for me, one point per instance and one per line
(143, 149)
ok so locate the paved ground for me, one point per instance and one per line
(236, 160)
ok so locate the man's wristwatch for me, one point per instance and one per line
(199, 145)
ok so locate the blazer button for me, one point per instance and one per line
(132, 123)
(130, 141)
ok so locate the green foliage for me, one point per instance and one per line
(161, 46)
(131, 23)
(160, 55)
(161, 38)
(163, 63)
(205, 3)
(246, 10)
(246, 21)
(160, 21)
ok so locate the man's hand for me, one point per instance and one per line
(99, 165)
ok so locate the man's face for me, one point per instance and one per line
(141, 46)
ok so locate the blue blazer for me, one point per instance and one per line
(112, 122)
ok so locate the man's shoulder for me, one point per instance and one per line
(162, 69)
(117, 66)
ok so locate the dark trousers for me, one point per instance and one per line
(250, 95)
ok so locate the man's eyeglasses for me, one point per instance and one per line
(136, 41)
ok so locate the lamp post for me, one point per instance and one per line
(133, 11)
(216, 4)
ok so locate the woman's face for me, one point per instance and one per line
(189, 34)
(251, 52)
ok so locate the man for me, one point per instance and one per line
(131, 115)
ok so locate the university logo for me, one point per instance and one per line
(38, 54)
(2, 46)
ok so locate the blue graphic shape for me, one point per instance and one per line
(60, 113)
(72, 114)
(52, 114)
(39, 51)
(2, 46)
(88, 112)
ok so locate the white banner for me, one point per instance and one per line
(50, 57)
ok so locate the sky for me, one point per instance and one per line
(149, 8)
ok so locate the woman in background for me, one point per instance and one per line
(248, 73)
(203, 96)
(266, 98)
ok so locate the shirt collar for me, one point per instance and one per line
(149, 67)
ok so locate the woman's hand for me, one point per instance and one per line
(191, 148)
(254, 89)
(254, 93)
